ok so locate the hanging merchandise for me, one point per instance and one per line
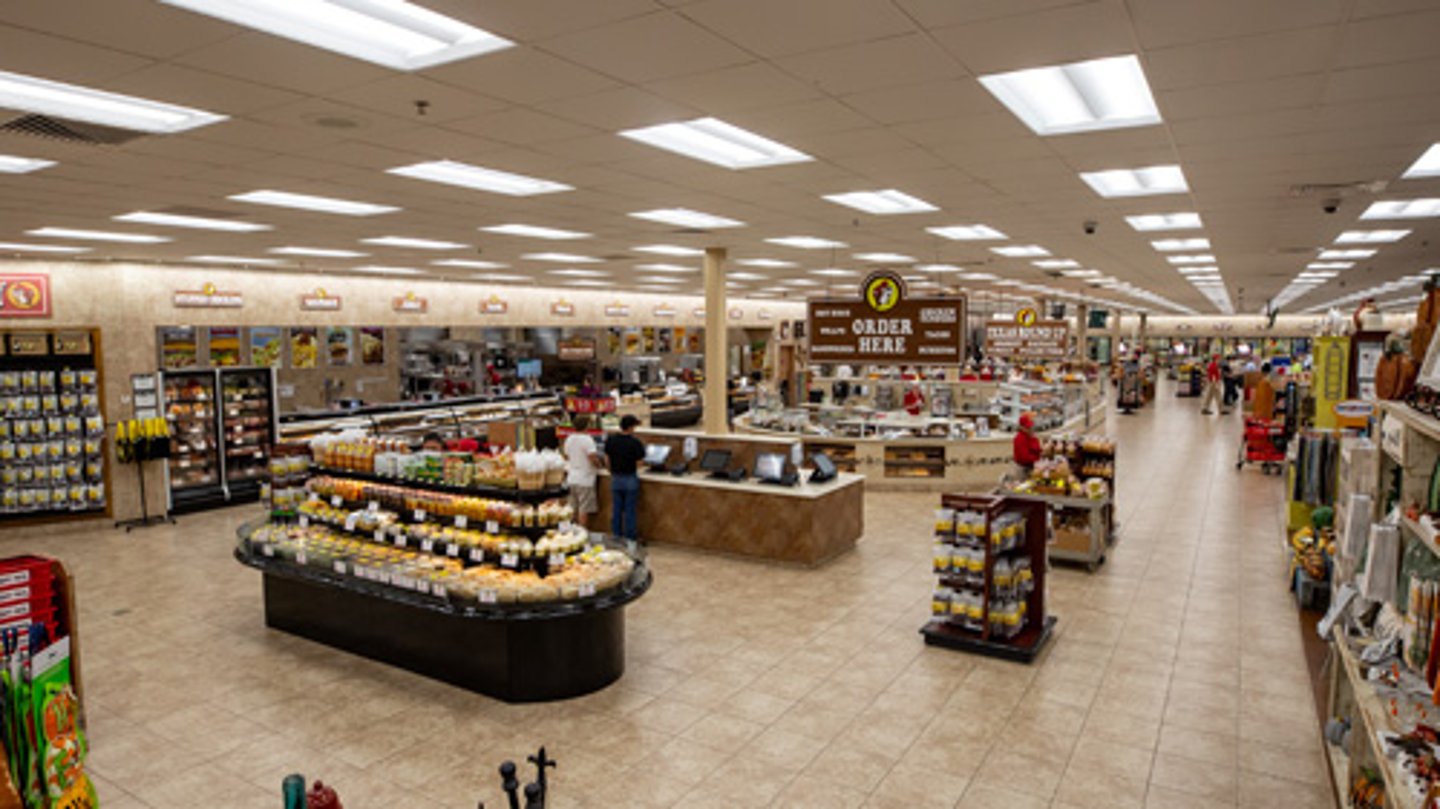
(1382, 564)
(1317, 460)
(142, 440)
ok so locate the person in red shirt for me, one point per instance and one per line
(914, 400)
(1027, 444)
(1212, 386)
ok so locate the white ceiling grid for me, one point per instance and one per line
(1256, 98)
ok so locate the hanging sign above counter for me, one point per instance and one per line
(886, 326)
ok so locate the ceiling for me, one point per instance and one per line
(1256, 98)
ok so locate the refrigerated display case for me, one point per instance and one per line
(222, 425)
(248, 428)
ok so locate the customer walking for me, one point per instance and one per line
(1212, 385)
(582, 464)
(623, 453)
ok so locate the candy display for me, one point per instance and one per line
(51, 442)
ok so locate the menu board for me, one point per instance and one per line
(339, 345)
(224, 346)
(266, 346)
(664, 340)
(886, 326)
(372, 345)
(577, 349)
(1044, 340)
(678, 344)
(304, 346)
(178, 348)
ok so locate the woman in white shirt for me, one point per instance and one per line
(582, 462)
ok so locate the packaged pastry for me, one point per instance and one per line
(29, 381)
(67, 379)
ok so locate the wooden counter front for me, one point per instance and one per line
(805, 524)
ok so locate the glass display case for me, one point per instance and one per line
(247, 410)
(1046, 402)
(194, 473)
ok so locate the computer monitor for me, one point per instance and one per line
(715, 460)
(528, 369)
(655, 455)
(770, 466)
(824, 467)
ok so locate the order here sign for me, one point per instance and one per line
(886, 327)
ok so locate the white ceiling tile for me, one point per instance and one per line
(1161, 24)
(64, 60)
(742, 87)
(139, 27)
(774, 29)
(1056, 36)
(533, 20)
(1220, 100)
(618, 109)
(641, 49)
(1265, 56)
(922, 102)
(520, 126)
(1381, 81)
(397, 95)
(943, 13)
(522, 75)
(276, 62)
(874, 64)
(1384, 40)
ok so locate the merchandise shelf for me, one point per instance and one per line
(1374, 721)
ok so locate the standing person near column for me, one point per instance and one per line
(623, 453)
(582, 465)
(1212, 385)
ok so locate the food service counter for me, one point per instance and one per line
(808, 524)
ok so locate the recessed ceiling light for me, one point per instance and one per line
(318, 252)
(976, 276)
(764, 262)
(1197, 270)
(686, 218)
(670, 268)
(503, 278)
(714, 141)
(1194, 258)
(937, 268)
(41, 248)
(309, 202)
(391, 33)
(967, 233)
(1164, 221)
(11, 164)
(807, 242)
(1427, 166)
(97, 235)
(470, 263)
(1173, 245)
(449, 172)
(196, 222)
(1315, 276)
(417, 244)
(1020, 250)
(264, 262)
(377, 269)
(1142, 182)
(885, 258)
(669, 250)
(800, 282)
(574, 272)
(1329, 265)
(31, 94)
(1086, 96)
(882, 203)
(1055, 263)
(834, 272)
(536, 232)
(1351, 253)
(562, 258)
(1081, 273)
(747, 276)
(662, 279)
(1371, 236)
(1403, 209)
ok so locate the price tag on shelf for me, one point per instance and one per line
(557, 560)
(337, 501)
(420, 586)
(477, 555)
(488, 595)
(492, 527)
(462, 521)
(510, 560)
(304, 521)
(587, 589)
(399, 540)
(438, 590)
(373, 507)
(350, 521)
(452, 550)
(338, 567)
(427, 545)
(419, 515)
(300, 558)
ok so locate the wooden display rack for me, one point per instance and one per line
(1031, 640)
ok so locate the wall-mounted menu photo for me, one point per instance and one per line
(224, 346)
(178, 347)
(304, 346)
(372, 345)
(339, 345)
(267, 346)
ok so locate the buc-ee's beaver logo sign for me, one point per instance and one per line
(1026, 317)
(883, 290)
(24, 295)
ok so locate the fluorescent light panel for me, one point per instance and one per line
(1346, 254)
(773, 263)
(12, 164)
(1174, 245)
(416, 244)
(1141, 182)
(469, 263)
(479, 178)
(1164, 221)
(1329, 265)
(1056, 263)
(669, 250)
(310, 202)
(1403, 209)
(561, 258)
(1427, 166)
(263, 262)
(678, 268)
(885, 258)
(377, 269)
(937, 268)
(882, 203)
(390, 33)
(834, 272)
(317, 252)
(194, 222)
(806, 242)
(536, 232)
(503, 278)
(748, 276)
(686, 218)
(31, 94)
(714, 141)
(967, 233)
(1371, 236)
(22, 247)
(1109, 93)
(1194, 258)
(1021, 250)
(97, 235)
(573, 272)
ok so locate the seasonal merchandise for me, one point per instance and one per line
(1053, 476)
(1317, 459)
(51, 442)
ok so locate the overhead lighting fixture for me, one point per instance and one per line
(1371, 236)
(773, 263)
(1346, 254)
(800, 282)
(587, 282)
(390, 33)
(686, 218)
(464, 175)
(662, 279)
(317, 252)
(31, 94)
(1174, 245)
(97, 235)
(416, 244)
(1194, 258)
(1403, 209)
(1315, 276)
(1164, 221)
(1086, 96)
(834, 272)
(967, 233)
(310, 202)
(747, 276)
(536, 232)
(21, 247)
(714, 141)
(1081, 273)
(1197, 270)
(679, 268)
(937, 268)
(668, 250)
(562, 258)
(195, 222)
(882, 203)
(1142, 182)
(1329, 265)
(1427, 166)
(11, 164)
(976, 276)
(503, 278)
(1021, 250)
(807, 242)
(572, 272)
(377, 269)
(885, 258)
(263, 262)
(469, 263)
(1056, 263)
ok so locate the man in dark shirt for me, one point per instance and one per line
(623, 453)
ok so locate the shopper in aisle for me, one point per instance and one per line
(623, 453)
(1027, 448)
(432, 442)
(1212, 386)
(1264, 399)
(582, 465)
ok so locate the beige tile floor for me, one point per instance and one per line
(1176, 678)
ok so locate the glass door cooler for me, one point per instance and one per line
(247, 419)
(194, 472)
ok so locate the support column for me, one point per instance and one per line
(717, 361)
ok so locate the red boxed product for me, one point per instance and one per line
(22, 571)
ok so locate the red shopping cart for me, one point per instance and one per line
(1264, 443)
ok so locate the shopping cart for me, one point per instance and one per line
(1264, 443)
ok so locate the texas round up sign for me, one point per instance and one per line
(887, 326)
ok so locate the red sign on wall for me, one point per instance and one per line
(24, 295)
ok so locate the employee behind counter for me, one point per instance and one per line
(623, 453)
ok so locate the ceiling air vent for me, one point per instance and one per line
(1339, 189)
(61, 129)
